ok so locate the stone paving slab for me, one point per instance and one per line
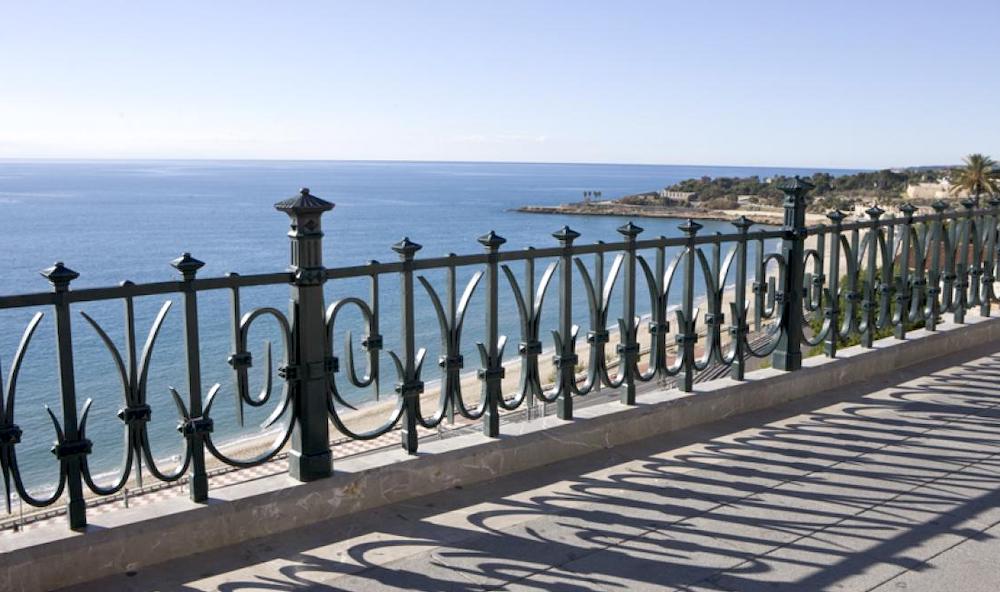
(887, 486)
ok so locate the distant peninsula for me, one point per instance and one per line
(760, 200)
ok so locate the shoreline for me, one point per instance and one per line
(768, 217)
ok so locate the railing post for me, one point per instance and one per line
(989, 264)
(493, 371)
(962, 263)
(687, 335)
(628, 348)
(870, 319)
(788, 354)
(904, 289)
(739, 328)
(410, 387)
(195, 426)
(565, 359)
(70, 449)
(935, 244)
(832, 311)
(309, 367)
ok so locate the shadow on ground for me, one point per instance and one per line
(846, 490)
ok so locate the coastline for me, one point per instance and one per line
(769, 217)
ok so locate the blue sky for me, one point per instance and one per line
(851, 84)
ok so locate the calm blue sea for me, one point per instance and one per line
(112, 221)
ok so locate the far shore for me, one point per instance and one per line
(770, 216)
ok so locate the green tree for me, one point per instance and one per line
(978, 176)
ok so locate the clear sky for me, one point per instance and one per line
(810, 83)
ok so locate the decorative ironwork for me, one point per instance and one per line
(714, 301)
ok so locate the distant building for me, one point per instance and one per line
(678, 195)
(932, 190)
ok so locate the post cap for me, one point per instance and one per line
(629, 229)
(491, 240)
(690, 227)
(795, 186)
(836, 216)
(566, 234)
(874, 212)
(406, 247)
(59, 274)
(940, 205)
(742, 222)
(969, 203)
(186, 264)
(303, 203)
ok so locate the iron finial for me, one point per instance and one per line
(59, 275)
(406, 248)
(566, 235)
(187, 265)
(491, 240)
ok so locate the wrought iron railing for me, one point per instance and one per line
(825, 284)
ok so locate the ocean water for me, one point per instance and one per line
(126, 220)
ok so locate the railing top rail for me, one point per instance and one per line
(130, 290)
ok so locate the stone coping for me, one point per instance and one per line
(53, 556)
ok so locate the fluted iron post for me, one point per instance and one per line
(71, 448)
(492, 372)
(628, 349)
(195, 426)
(410, 386)
(565, 358)
(739, 328)
(868, 305)
(687, 336)
(904, 289)
(788, 354)
(989, 264)
(832, 310)
(935, 244)
(962, 263)
(309, 367)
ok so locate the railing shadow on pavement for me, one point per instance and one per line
(815, 491)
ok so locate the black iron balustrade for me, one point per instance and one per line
(824, 285)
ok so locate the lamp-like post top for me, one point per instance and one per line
(303, 203)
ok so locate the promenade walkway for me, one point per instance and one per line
(885, 486)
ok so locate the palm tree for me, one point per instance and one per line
(978, 176)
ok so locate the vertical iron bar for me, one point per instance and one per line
(832, 311)
(565, 360)
(411, 387)
(739, 326)
(196, 426)
(688, 335)
(903, 288)
(528, 364)
(989, 265)
(72, 448)
(935, 244)
(628, 348)
(309, 365)
(962, 262)
(868, 304)
(492, 374)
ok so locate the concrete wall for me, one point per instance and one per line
(53, 556)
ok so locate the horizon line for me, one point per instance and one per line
(417, 161)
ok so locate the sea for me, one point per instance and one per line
(112, 221)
